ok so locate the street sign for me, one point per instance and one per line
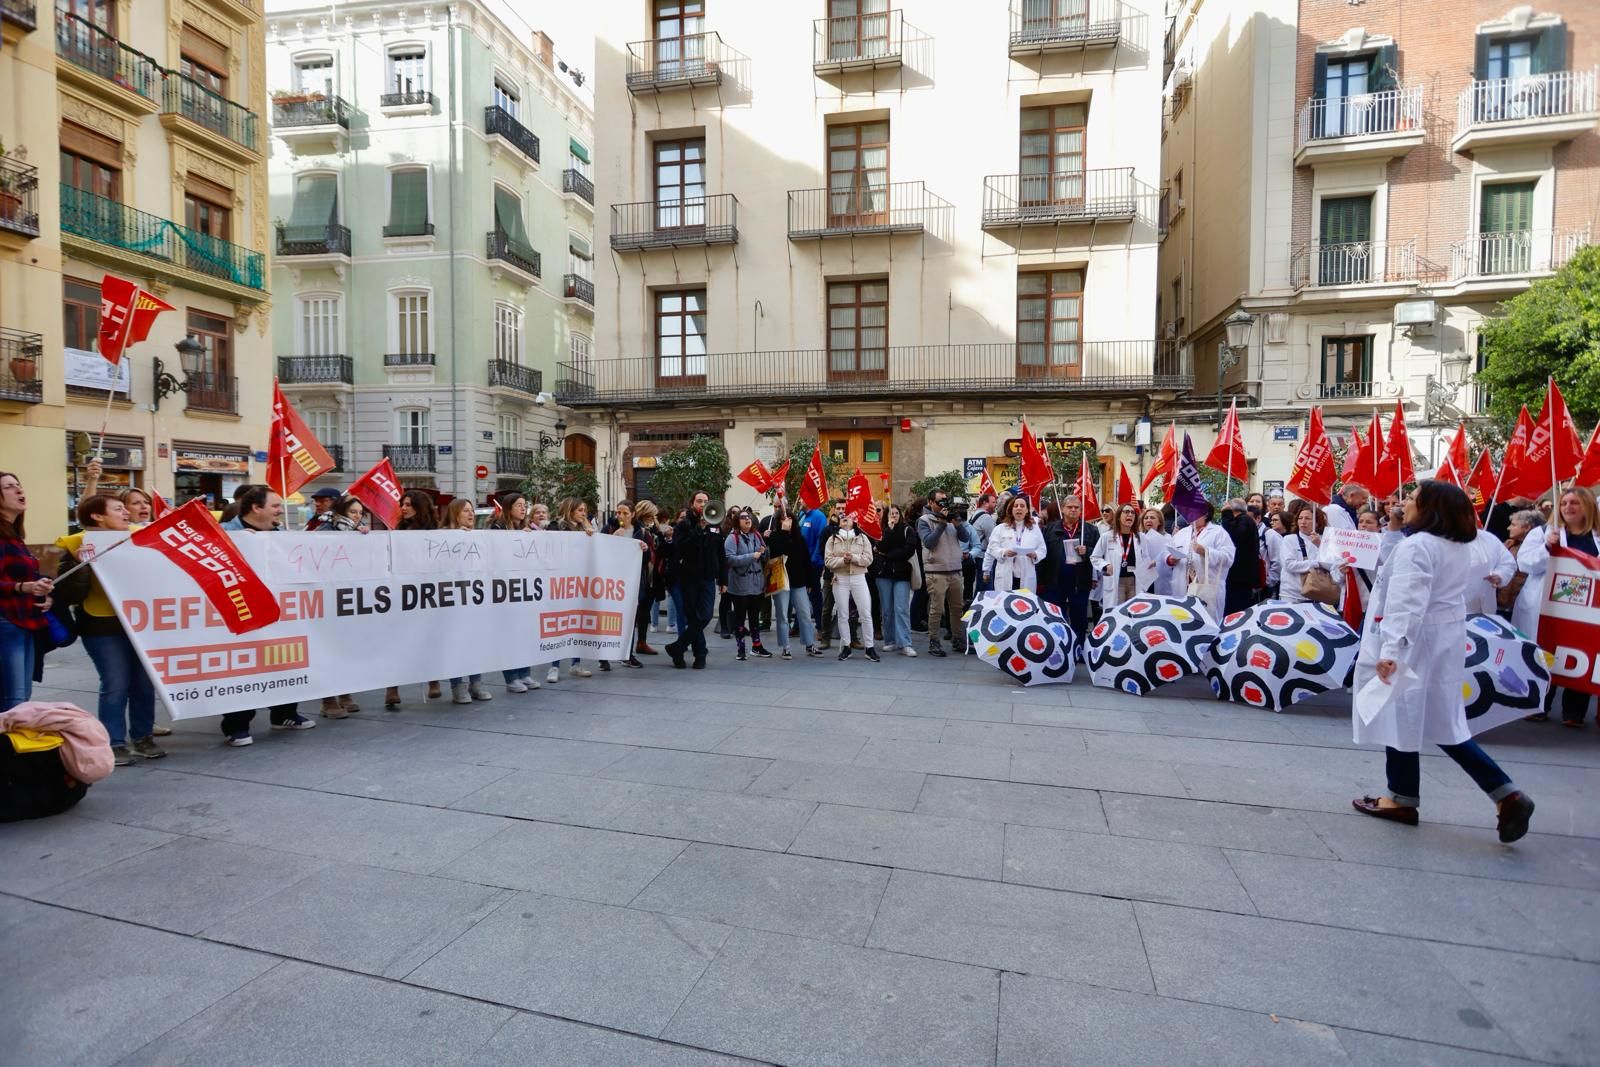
(482, 472)
(1286, 433)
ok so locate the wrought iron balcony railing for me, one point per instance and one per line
(1357, 263)
(336, 453)
(212, 392)
(706, 220)
(310, 109)
(1068, 196)
(677, 62)
(1049, 25)
(406, 98)
(498, 122)
(579, 288)
(21, 13)
(408, 359)
(1365, 115)
(19, 197)
(513, 460)
(899, 207)
(852, 42)
(498, 246)
(20, 354)
(187, 97)
(1529, 98)
(509, 375)
(574, 182)
(1081, 367)
(1514, 252)
(316, 370)
(110, 222)
(1350, 390)
(331, 240)
(85, 45)
(410, 457)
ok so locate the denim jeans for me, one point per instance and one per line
(516, 672)
(16, 665)
(127, 706)
(780, 617)
(474, 680)
(801, 599)
(1405, 772)
(895, 598)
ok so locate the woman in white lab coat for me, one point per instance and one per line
(1015, 548)
(1297, 554)
(1576, 526)
(1492, 568)
(1122, 559)
(1414, 634)
(1153, 532)
(1207, 550)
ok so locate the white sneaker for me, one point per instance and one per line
(516, 685)
(553, 677)
(581, 672)
(887, 648)
(907, 650)
(459, 694)
(478, 692)
(529, 683)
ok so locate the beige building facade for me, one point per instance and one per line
(899, 231)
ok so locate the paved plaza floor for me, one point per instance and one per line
(806, 863)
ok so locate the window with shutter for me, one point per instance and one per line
(1505, 224)
(316, 207)
(408, 203)
(508, 221)
(320, 333)
(1344, 252)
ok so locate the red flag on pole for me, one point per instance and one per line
(1352, 459)
(379, 492)
(1480, 485)
(191, 539)
(145, 310)
(158, 506)
(1397, 452)
(814, 486)
(1456, 455)
(1515, 479)
(1351, 608)
(858, 504)
(757, 477)
(1554, 449)
(1589, 469)
(986, 483)
(1312, 475)
(117, 296)
(1166, 464)
(1035, 471)
(1374, 471)
(1227, 455)
(780, 479)
(294, 455)
(1086, 490)
(1125, 492)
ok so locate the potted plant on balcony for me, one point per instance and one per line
(10, 192)
(24, 366)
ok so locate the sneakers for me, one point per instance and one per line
(459, 694)
(552, 676)
(872, 654)
(299, 722)
(478, 692)
(907, 650)
(935, 649)
(785, 654)
(632, 661)
(844, 653)
(147, 747)
(757, 650)
(605, 665)
(516, 685)
(739, 655)
(580, 672)
(120, 756)
(162, 731)
(887, 648)
(813, 651)
(240, 740)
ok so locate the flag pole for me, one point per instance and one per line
(1555, 483)
(85, 562)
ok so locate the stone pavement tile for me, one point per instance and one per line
(39, 853)
(689, 770)
(989, 707)
(902, 839)
(816, 898)
(833, 783)
(1229, 723)
(1569, 917)
(565, 861)
(85, 990)
(1012, 928)
(812, 1003)
(1045, 1021)
(555, 754)
(591, 962)
(1378, 1050)
(1079, 718)
(1222, 753)
(1011, 735)
(564, 798)
(772, 716)
(1085, 772)
(769, 823)
(1351, 978)
(1330, 791)
(637, 730)
(1123, 867)
(821, 694)
(300, 1014)
(539, 1041)
(1389, 900)
(181, 803)
(1031, 805)
(810, 747)
(1199, 822)
(430, 782)
(296, 762)
(969, 761)
(983, 686)
(860, 724)
(1547, 1006)
(361, 918)
(185, 885)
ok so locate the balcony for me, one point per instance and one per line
(1514, 254)
(1040, 26)
(119, 73)
(316, 370)
(1536, 109)
(499, 123)
(408, 359)
(302, 119)
(504, 374)
(19, 203)
(136, 238)
(217, 394)
(407, 101)
(409, 457)
(900, 207)
(330, 242)
(336, 453)
(1089, 368)
(857, 42)
(513, 460)
(186, 100)
(1378, 126)
(578, 288)
(1109, 195)
(578, 185)
(709, 220)
(1358, 263)
(20, 354)
(677, 62)
(525, 263)
(17, 19)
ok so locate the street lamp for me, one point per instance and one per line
(1441, 391)
(190, 352)
(1237, 329)
(546, 441)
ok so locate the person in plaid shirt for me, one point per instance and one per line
(24, 597)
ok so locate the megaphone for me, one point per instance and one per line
(715, 511)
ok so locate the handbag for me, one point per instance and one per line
(777, 575)
(1317, 585)
(1208, 591)
(916, 570)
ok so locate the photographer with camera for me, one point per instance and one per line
(942, 529)
(696, 566)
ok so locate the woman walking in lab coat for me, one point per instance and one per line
(1414, 633)
(1124, 560)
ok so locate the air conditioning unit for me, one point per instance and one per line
(1416, 313)
(1119, 430)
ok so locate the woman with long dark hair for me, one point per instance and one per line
(416, 513)
(1414, 633)
(893, 559)
(1123, 559)
(24, 596)
(747, 580)
(1015, 548)
(572, 516)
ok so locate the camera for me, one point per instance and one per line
(956, 509)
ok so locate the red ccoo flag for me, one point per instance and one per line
(1125, 492)
(1312, 475)
(858, 503)
(1086, 492)
(1373, 472)
(379, 492)
(1227, 455)
(1166, 464)
(780, 480)
(1554, 449)
(1035, 472)
(118, 299)
(1456, 455)
(145, 310)
(1398, 471)
(986, 483)
(158, 506)
(1480, 485)
(191, 539)
(814, 486)
(294, 456)
(1589, 470)
(757, 477)
(1515, 478)
(1352, 459)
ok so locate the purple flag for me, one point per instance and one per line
(1188, 492)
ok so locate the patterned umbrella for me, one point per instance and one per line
(1275, 654)
(1024, 636)
(1148, 640)
(1507, 674)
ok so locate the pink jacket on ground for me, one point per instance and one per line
(86, 748)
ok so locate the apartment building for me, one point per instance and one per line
(1368, 182)
(897, 229)
(433, 238)
(134, 146)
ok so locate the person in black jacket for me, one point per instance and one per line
(697, 561)
(891, 572)
(785, 539)
(1074, 572)
(1244, 576)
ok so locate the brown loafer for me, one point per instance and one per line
(1515, 811)
(1370, 806)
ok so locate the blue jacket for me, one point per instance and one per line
(814, 528)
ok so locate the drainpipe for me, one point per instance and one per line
(455, 392)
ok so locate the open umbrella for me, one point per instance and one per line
(1276, 654)
(1024, 636)
(1507, 674)
(1149, 640)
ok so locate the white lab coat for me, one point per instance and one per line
(1416, 616)
(1271, 542)
(1533, 559)
(1108, 553)
(1019, 569)
(1338, 518)
(1160, 542)
(1489, 558)
(1218, 558)
(1296, 556)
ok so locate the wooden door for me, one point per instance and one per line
(868, 450)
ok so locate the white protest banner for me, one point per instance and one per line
(1352, 548)
(1569, 619)
(365, 612)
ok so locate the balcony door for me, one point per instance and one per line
(1344, 254)
(858, 331)
(858, 29)
(1346, 367)
(681, 185)
(858, 175)
(681, 338)
(1053, 18)
(1505, 225)
(1050, 324)
(1052, 156)
(679, 44)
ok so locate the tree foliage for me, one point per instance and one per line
(800, 460)
(700, 465)
(551, 479)
(951, 482)
(1550, 329)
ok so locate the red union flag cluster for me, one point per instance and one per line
(191, 538)
(126, 314)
